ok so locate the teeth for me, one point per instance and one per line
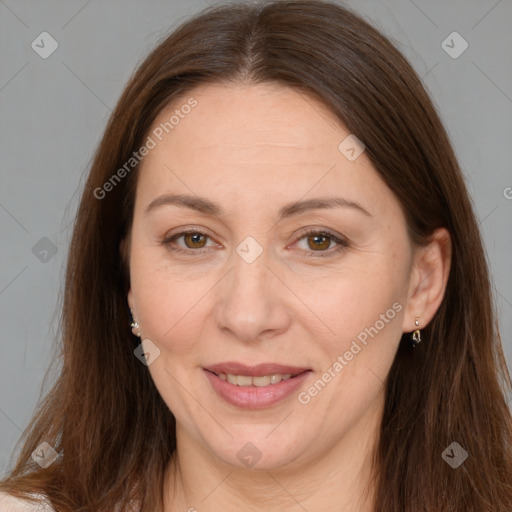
(262, 381)
(244, 380)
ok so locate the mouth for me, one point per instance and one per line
(255, 387)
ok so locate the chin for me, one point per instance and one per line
(259, 453)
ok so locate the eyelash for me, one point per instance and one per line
(342, 244)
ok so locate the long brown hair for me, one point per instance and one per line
(104, 416)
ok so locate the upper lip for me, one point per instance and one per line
(259, 370)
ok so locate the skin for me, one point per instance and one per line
(252, 149)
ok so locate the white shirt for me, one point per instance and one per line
(9, 503)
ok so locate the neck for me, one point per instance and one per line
(339, 479)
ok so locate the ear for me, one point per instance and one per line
(429, 276)
(123, 248)
(130, 299)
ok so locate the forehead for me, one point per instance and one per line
(252, 141)
(248, 116)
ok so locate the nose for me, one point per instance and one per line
(251, 303)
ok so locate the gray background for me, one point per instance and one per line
(54, 110)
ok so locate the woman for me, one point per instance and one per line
(277, 296)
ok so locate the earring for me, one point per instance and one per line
(134, 325)
(416, 336)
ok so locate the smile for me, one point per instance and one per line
(256, 392)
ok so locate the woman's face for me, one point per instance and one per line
(250, 286)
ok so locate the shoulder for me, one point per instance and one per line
(9, 503)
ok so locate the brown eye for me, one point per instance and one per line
(194, 240)
(319, 242)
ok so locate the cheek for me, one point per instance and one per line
(163, 303)
(348, 303)
(171, 308)
(364, 311)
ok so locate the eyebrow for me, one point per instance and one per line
(206, 206)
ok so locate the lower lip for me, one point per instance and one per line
(253, 397)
